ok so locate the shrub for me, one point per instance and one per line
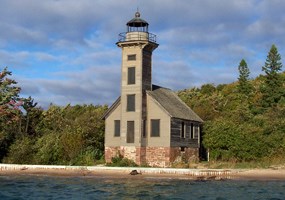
(120, 161)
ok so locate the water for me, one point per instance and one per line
(93, 187)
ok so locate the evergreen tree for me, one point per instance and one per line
(272, 90)
(9, 111)
(9, 99)
(244, 86)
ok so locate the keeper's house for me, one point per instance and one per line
(148, 124)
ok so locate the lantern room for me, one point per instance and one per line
(137, 29)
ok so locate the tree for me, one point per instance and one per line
(272, 90)
(244, 86)
(9, 111)
(9, 98)
(28, 105)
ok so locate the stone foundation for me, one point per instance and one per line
(158, 156)
(188, 155)
(137, 154)
(111, 152)
(153, 156)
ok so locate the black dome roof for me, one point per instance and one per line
(137, 21)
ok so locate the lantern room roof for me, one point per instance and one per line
(137, 21)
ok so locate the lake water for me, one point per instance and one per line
(93, 187)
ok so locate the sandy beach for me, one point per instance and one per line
(120, 172)
(262, 174)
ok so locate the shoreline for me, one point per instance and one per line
(124, 172)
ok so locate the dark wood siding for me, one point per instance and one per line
(177, 140)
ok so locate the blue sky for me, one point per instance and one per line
(64, 51)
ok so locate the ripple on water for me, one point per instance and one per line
(51, 187)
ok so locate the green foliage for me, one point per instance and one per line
(71, 135)
(244, 123)
(9, 111)
(245, 120)
(244, 85)
(120, 161)
(272, 89)
(21, 151)
(48, 150)
(207, 89)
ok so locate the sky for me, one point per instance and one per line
(64, 51)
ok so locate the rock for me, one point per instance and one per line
(134, 172)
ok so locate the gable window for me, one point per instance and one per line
(182, 130)
(131, 75)
(155, 128)
(131, 102)
(132, 57)
(130, 131)
(117, 126)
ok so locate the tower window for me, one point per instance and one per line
(132, 57)
(155, 128)
(131, 75)
(117, 126)
(130, 131)
(131, 102)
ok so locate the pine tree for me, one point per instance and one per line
(244, 86)
(9, 97)
(272, 89)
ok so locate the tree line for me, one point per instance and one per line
(69, 135)
(244, 121)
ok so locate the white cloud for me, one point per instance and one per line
(64, 51)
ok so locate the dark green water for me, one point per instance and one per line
(52, 187)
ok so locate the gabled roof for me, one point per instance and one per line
(112, 107)
(173, 104)
(169, 101)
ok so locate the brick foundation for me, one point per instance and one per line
(153, 156)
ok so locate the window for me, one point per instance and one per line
(196, 131)
(155, 128)
(191, 131)
(182, 130)
(131, 75)
(117, 126)
(130, 131)
(132, 57)
(131, 102)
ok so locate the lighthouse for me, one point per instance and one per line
(144, 124)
